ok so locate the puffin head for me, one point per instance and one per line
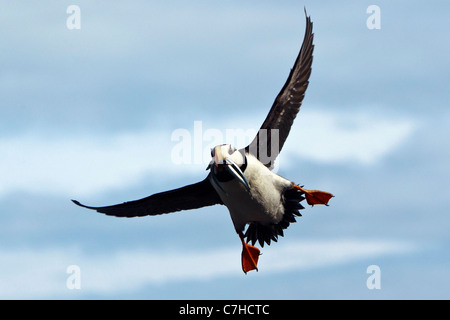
(226, 158)
(222, 154)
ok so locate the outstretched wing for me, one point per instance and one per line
(193, 196)
(273, 133)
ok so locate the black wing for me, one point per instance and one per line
(273, 133)
(193, 196)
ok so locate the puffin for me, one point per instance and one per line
(261, 203)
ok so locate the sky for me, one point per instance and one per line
(130, 102)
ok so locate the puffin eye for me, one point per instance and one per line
(231, 150)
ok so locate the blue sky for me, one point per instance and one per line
(90, 114)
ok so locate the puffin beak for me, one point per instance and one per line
(218, 159)
(235, 171)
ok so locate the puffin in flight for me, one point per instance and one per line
(242, 180)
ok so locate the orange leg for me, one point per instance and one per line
(250, 256)
(315, 196)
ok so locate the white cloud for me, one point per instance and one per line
(86, 165)
(42, 273)
(82, 165)
(333, 137)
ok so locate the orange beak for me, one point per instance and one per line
(218, 158)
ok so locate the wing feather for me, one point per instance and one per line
(275, 129)
(193, 196)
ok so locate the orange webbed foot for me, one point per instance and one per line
(250, 256)
(315, 196)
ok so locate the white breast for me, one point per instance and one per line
(264, 201)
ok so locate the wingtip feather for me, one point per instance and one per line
(82, 205)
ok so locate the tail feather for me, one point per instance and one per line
(257, 232)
